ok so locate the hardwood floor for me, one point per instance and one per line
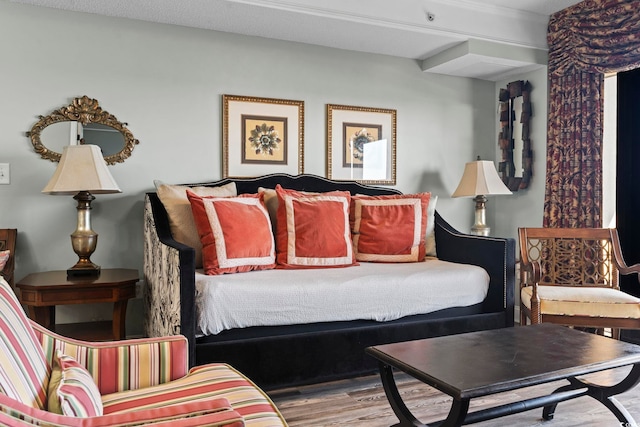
(361, 402)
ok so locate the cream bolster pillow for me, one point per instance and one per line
(181, 222)
(430, 240)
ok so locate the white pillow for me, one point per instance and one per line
(183, 227)
(271, 202)
(430, 240)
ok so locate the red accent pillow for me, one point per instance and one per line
(313, 229)
(389, 228)
(235, 233)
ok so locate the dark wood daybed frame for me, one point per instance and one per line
(282, 356)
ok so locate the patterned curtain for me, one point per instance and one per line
(573, 194)
(585, 41)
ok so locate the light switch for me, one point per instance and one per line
(5, 173)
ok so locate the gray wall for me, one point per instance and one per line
(166, 82)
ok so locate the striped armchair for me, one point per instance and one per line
(50, 380)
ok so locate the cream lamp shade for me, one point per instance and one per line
(480, 179)
(81, 168)
(82, 172)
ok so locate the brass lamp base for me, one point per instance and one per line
(480, 227)
(84, 240)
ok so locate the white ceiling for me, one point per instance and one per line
(470, 38)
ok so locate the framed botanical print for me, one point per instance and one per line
(261, 136)
(361, 144)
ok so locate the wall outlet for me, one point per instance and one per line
(5, 173)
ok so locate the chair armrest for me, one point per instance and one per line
(533, 273)
(496, 255)
(122, 365)
(633, 269)
(169, 284)
(211, 412)
(622, 266)
(533, 270)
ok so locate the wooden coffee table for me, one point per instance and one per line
(477, 364)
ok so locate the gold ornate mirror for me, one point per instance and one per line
(86, 122)
(515, 114)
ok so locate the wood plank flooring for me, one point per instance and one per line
(361, 402)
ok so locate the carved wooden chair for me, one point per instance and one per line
(570, 277)
(8, 242)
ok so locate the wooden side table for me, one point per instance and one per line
(41, 292)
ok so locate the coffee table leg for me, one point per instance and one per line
(620, 412)
(456, 417)
(393, 396)
(549, 410)
(604, 395)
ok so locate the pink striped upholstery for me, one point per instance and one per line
(218, 411)
(141, 382)
(208, 381)
(226, 418)
(24, 373)
(122, 365)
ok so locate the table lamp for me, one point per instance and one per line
(82, 172)
(479, 180)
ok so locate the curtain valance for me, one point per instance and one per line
(585, 41)
(597, 36)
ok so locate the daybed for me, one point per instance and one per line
(292, 354)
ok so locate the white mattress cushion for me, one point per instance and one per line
(373, 291)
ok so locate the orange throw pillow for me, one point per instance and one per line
(313, 229)
(235, 233)
(389, 228)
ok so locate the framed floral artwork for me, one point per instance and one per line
(361, 144)
(261, 136)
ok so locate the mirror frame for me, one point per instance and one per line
(508, 120)
(84, 110)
